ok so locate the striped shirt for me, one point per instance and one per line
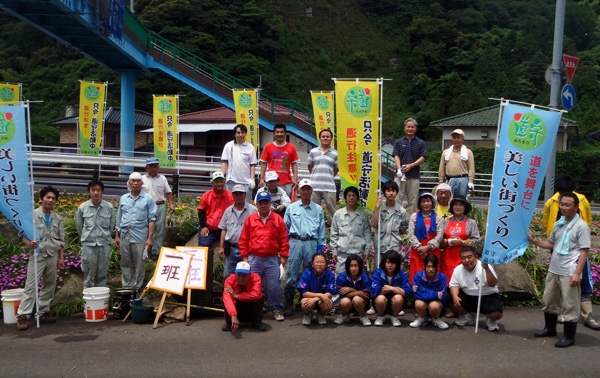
(324, 165)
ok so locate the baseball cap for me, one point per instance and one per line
(217, 175)
(263, 196)
(152, 160)
(242, 267)
(458, 131)
(305, 182)
(238, 188)
(270, 176)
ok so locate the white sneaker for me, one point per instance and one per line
(379, 321)
(371, 311)
(418, 323)
(342, 319)
(465, 320)
(278, 315)
(492, 325)
(439, 323)
(321, 319)
(401, 313)
(365, 321)
(395, 321)
(306, 319)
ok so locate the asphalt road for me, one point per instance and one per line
(73, 348)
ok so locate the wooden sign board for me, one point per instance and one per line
(171, 271)
(196, 278)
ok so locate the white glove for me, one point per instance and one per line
(251, 184)
(145, 254)
(401, 175)
(282, 273)
(471, 186)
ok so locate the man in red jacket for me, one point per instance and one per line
(243, 299)
(264, 243)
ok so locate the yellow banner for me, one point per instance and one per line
(166, 117)
(10, 94)
(323, 111)
(357, 114)
(246, 113)
(92, 97)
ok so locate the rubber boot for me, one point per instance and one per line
(550, 327)
(568, 338)
(588, 319)
(290, 293)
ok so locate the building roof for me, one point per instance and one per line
(484, 117)
(112, 115)
(215, 115)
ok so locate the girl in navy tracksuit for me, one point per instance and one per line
(354, 287)
(390, 288)
(317, 287)
(429, 287)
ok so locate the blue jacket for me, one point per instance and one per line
(310, 282)
(363, 283)
(380, 279)
(428, 291)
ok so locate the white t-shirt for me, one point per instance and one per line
(157, 186)
(239, 158)
(469, 281)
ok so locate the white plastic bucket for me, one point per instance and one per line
(96, 303)
(11, 299)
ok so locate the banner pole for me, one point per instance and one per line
(479, 300)
(103, 129)
(178, 148)
(377, 260)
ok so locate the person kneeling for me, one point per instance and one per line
(464, 288)
(316, 287)
(354, 287)
(243, 299)
(390, 288)
(429, 287)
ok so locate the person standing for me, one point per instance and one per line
(305, 224)
(51, 243)
(281, 157)
(569, 241)
(425, 232)
(264, 243)
(409, 153)
(95, 222)
(157, 186)
(394, 220)
(210, 211)
(457, 166)
(136, 222)
(231, 227)
(443, 194)
(323, 167)
(279, 200)
(239, 162)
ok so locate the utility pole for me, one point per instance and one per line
(559, 25)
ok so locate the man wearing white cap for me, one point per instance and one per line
(231, 227)
(239, 162)
(279, 199)
(210, 211)
(157, 186)
(136, 222)
(305, 223)
(457, 166)
(243, 299)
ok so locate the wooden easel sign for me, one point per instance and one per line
(170, 275)
(196, 278)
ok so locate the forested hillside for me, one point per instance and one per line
(443, 57)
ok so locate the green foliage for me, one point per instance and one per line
(64, 310)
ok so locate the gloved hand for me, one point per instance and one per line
(251, 184)
(145, 254)
(282, 273)
(319, 248)
(401, 175)
(471, 186)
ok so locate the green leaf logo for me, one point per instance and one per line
(527, 131)
(245, 100)
(7, 94)
(358, 101)
(92, 93)
(165, 106)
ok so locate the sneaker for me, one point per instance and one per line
(278, 315)
(492, 325)
(306, 320)
(365, 321)
(379, 321)
(260, 326)
(439, 323)
(332, 312)
(395, 321)
(22, 323)
(226, 328)
(419, 322)
(321, 319)
(342, 319)
(371, 311)
(401, 313)
(465, 320)
(46, 318)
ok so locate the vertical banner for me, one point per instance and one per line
(246, 112)
(15, 198)
(10, 94)
(114, 21)
(92, 97)
(323, 111)
(165, 117)
(525, 141)
(357, 114)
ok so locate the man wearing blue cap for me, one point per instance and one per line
(157, 186)
(243, 299)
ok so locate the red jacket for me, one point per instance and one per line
(215, 206)
(251, 292)
(264, 239)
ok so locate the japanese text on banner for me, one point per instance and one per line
(91, 116)
(246, 113)
(323, 111)
(166, 119)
